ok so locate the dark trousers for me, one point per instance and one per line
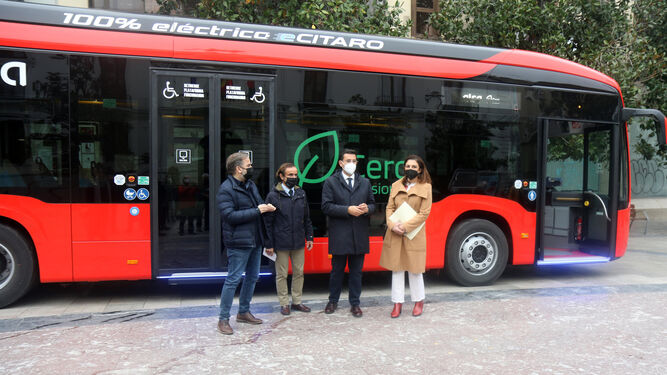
(355, 263)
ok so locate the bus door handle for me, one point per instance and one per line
(604, 206)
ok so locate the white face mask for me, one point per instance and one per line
(349, 168)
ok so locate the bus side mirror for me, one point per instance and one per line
(552, 182)
(661, 129)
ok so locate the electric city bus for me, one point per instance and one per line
(114, 130)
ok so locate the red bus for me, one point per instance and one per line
(114, 129)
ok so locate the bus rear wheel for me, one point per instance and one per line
(17, 266)
(476, 253)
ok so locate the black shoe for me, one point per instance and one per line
(356, 311)
(331, 307)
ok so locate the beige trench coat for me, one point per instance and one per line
(398, 252)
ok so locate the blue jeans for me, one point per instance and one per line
(247, 260)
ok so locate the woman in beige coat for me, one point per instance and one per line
(399, 253)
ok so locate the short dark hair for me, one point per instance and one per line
(235, 160)
(347, 151)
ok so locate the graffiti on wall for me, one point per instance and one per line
(648, 178)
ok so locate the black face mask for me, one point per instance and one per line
(248, 173)
(291, 182)
(411, 174)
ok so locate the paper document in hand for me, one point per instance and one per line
(272, 256)
(402, 215)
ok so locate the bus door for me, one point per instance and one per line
(576, 208)
(197, 120)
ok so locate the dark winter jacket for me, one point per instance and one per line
(347, 234)
(242, 224)
(289, 226)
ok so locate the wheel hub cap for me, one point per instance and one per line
(7, 266)
(478, 253)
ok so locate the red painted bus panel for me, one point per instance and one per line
(622, 232)
(328, 58)
(445, 212)
(556, 64)
(151, 45)
(109, 243)
(154, 45)
(317, 260)
(49, 226)
(112, 260)
(110, 222)
(78, 40)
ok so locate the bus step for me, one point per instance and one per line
(572, 260)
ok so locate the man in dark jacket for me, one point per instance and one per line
(243, 231)
(347, 200)
(288, 226)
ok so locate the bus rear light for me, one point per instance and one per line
(579, 228)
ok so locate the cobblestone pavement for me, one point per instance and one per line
(588, 319)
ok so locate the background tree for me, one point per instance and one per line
(623, 39)
(358, 16)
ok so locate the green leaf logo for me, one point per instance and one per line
(303, 173)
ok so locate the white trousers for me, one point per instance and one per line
(416, 281)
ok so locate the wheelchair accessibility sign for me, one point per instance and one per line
(143, 194)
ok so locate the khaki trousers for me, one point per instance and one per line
(282, 265)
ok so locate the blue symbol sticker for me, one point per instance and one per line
(143, 194)
(532, 195)
(134, 211)
(130, 194)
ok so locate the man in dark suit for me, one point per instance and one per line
(347, 200)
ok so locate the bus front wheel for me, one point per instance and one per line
(476, 253)
(17, 266)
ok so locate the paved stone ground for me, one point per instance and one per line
(587, 319)
(588, 330)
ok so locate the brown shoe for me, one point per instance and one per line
(284, 310)
(356, 311)
(331, 307)
(224, 327)
(301, 307)
(247, 317)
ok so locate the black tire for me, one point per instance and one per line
(476, 253)
(17, 266)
